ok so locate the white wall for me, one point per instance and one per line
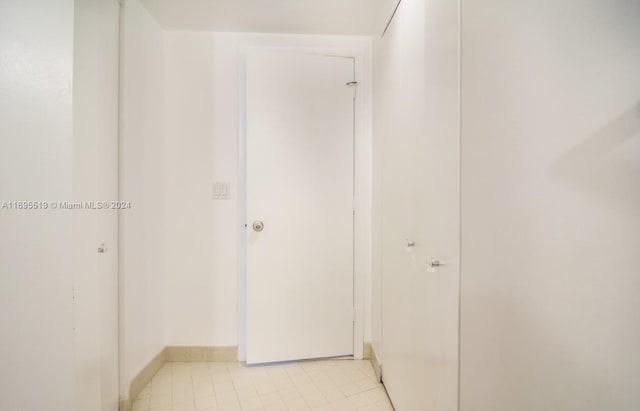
(36, 69)
(142, 183)
(384, 9)
(201, 122)
(551, 205)
(190, 283)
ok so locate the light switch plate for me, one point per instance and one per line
(221, 190)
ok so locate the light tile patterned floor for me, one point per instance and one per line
(339, 385)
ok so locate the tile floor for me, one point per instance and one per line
(339, 385)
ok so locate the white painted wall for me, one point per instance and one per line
(188, 122)
(551, 205)
(36, 70)
(202, 143)
(142, 181)
(353, 17)
(384, 9)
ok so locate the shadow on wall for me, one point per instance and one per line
(551, 364)
(608, 162)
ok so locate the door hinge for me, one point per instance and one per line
(354, 86)
(353, 315)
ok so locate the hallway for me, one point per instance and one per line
(405, 205)
(308, 385)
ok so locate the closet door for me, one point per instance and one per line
(417, 118)
(95, 227)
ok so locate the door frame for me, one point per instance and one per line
(362, 233)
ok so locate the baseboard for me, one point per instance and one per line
(376, 364)
(366, 351)
(175, 354)
(143, 378)
(203, 354)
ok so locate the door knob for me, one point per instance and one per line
(258, 226)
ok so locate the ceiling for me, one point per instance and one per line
(347, 17)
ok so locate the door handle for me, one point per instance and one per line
(434, 263)
(258, 226)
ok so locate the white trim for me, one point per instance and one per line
(242, 211)
(362, 229)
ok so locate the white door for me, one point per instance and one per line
(299, 192)
(419, 128)
(95, 178)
